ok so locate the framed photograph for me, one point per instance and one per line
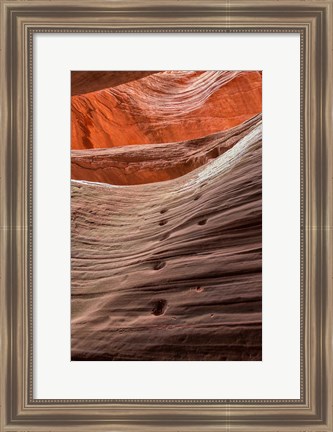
(166, 206)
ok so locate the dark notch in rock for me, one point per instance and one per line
(159, 307)
(158, 265)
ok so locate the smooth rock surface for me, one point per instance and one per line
(90, 81)
(150, 163)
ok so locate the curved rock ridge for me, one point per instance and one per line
(171, 270)
(152, 163)
(90, 81)
(169, 106)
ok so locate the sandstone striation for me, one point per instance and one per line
(166, 209)
(161, 107)
(151, 163)
(170, 270)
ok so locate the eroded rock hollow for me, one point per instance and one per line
(166, 211)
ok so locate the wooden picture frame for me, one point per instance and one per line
(313, 20)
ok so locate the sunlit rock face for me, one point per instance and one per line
(147, 163)
(166, 216)
(164, 107)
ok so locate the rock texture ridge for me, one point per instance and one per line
(163, 107)
(150, 163)
(166, 232)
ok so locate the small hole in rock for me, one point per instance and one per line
(163, 211)
(163, 222)
(199, 289)
(159, 307)
(197, 197)
(159, 265)
(202, 222)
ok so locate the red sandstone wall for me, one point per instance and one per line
(163, 107)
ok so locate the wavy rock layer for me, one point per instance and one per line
(152, 163)
(172, 270)
(170, 106)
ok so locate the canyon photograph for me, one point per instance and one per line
(166, 215)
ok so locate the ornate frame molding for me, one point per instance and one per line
(312, 19)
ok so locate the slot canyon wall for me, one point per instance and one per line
(166, 208)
